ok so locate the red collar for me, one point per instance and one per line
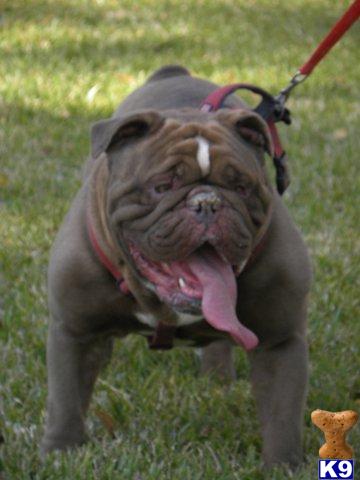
(115, 272)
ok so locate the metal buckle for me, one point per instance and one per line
(285, 92)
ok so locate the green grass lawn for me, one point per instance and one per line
(67, 63)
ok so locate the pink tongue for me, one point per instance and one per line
(219, 296)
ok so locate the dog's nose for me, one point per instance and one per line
(204, 203)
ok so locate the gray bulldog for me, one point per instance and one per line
(178, 234)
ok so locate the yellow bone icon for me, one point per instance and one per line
(335, 426)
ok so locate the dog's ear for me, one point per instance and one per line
(253, 128)
(106, 134)
(250, 126)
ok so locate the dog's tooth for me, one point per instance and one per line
(166, 267)
(239, 268)
(181, 282)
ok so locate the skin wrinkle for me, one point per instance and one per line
(246, 119)
(160, 209)
(244, 214)
(170, 163)
(163, 152)
(240, 253)
(155, 144)
(232, 236)
(257, 219)
(224, 135)
(164, 241)
(171, 240)
(188, 144)
(222, 152)
(256, 208)
(185, 223)
(172, 228)
(171, 155)
(127, 213)
(242, 225)
(165, 250)
(252, 227)
(118, 190)
(164, 136)
(154, 153)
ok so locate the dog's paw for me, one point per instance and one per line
(61, 443)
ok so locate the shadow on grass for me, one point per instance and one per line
(138, 37)
(313, 14)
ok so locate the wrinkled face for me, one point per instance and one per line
(186, 184)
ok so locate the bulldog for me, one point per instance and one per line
(178, 234)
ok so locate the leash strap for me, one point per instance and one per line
(338, 30)
(351, 15)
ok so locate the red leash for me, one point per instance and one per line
(339, 29)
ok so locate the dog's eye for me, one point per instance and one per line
(243, 190)
(163, 187)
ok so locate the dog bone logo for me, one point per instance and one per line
(335, 426)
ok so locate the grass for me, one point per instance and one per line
(67, 63)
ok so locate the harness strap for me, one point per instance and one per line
(215, 100)
(270, 110)
(163, 337)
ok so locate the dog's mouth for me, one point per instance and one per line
(202, 282)
(173, 281)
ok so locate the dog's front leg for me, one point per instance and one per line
(72, 369)
(217, 359)
(279, 379)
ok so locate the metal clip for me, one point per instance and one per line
(285, 92)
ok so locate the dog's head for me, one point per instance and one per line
(185, 185)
